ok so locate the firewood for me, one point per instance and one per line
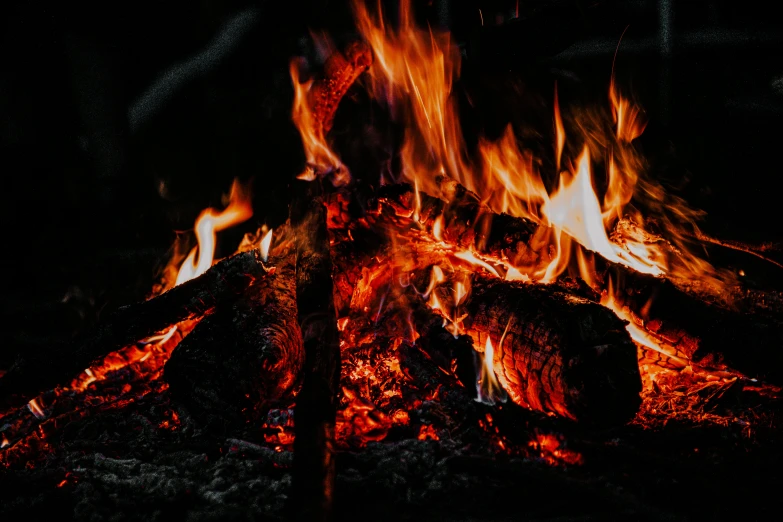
(732, 326)
(466, 221)
(340, 72)
(33, 373)
(243, 358)
(556, 353)
(742, 337)
(314, 414)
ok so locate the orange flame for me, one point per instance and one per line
(414, 73)
(36, 409)
(320, 158)
(488, 387)
(575, 209)
(208, 224)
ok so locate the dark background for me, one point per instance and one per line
(120, 121)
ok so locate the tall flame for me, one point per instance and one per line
(414, 74)
(208, 224)
(574, 208)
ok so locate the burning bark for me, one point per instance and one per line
(556, 353)
(340, 72)
(684, 321)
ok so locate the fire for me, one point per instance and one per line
(414, 73)
(208, 224)
(487, 385)
(36, 409)
(575, 209)
(320, 158)
(265, 243)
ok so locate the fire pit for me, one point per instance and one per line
(461, 315)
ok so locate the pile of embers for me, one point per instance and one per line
(468, 351)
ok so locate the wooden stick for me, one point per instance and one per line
(314, 414)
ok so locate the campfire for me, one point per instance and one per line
(485, 299)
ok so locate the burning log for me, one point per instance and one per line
(190, 300)
(314, 415)
(715, 332)
(556, 353)
(742, 337)
(464, 222)
(244, 357)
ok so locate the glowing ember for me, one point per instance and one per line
(428, 432)
(551, 448)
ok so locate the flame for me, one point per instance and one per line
(320, 158)
(559, 132)
(36, 409)
(488, 387)
(264, 245)
(471, 258)
(5, 442)
(437, 228)
(639, 335)
(414, 74)
(574, 208)
(208, 224)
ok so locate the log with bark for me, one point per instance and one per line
(554, 352)
(314, 415)
(741, 328)
(243, 358)
(33, 373)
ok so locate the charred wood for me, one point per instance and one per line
(196, 298)
(733, 326)
(741, 336)
(314, 415)
(556, 353)
(243, 358)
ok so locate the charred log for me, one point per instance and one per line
(466, 221)
(196, 298)
(556, 353)
(742, 336)
(739, 328)
(243, 358)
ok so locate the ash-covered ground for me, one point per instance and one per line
(452, 458)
